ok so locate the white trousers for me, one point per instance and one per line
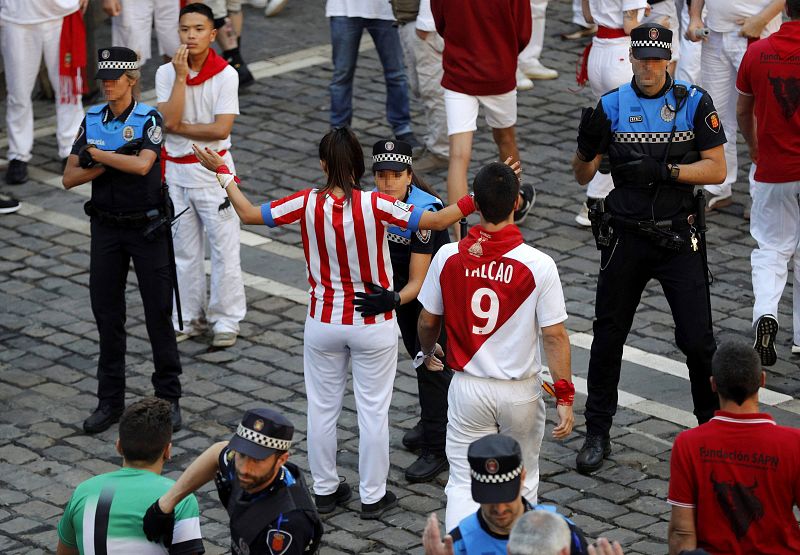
(327, 351)
(609, 67)
(478, 407)
(720, 59)
(424, 71)
(226, 303)
(533, 51)
(775, 225)
(132, 28)
(688, 68)
(23, 47)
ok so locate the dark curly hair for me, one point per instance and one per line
(145, 429)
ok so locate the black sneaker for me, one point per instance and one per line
(373, 511)
(590, 457)
(426, 468)
(8, 206)
(766, 331)
(327, 503)
(17, 172)
(102, 418)
(528, 194)
(412, 439)
(175, 413)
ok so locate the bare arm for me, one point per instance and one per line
(248, 213)
(753, 26)
(200, 472)
(172, 110)
(62, 549)
(442, 219)
(585, 171)
(555, 341)
(695, 20)
(135, 165)
(587, 11)
(75, 175)
(710, 169)
(429, 326)
(217, 131)
(417, 269)
(630, 20)
(681, 533)
(747, 123)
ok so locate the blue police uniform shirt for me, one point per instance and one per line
(642, 125)
(472, 535)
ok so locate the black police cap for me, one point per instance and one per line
(391, 155)
(113, 62)
(262, 433)
(495, 465)
(651, 41)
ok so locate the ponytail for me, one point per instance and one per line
(341, 152)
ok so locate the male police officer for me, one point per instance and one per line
(266, 497)
(663, 137)
(117, 148)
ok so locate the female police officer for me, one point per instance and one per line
(117, 149)
(411, 254)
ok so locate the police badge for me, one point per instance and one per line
(668, 112)
(128, 133)
(278, 541)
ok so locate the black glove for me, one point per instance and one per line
(157, 525)
(130, 148)
(372, 304)
(85, 159)
(594, 133)
(644, 171)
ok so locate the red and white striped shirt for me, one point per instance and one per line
(345, 246)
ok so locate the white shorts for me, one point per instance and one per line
(462, 110)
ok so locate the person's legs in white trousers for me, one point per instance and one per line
(528, 61)
(188, 240)
(689, 59)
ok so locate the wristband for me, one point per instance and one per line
(225, 177)
(565, 392)
(466, 204)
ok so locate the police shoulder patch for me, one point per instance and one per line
(155, 134)
(712, 121)
(424, 235)
(402, 205)
(278, 541)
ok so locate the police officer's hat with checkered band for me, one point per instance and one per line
(262, 433)
(495, 464)
(113, 62)
(651, 41)
(391, 155)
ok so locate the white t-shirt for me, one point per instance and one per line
(493, 314)
(608, 13)
(36, 11)
(368, 9)
(425, 20)
(722, 15)
(218, 95)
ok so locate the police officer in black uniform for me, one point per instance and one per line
(271, 511)
(411, 254)
(117, 148)
(663, 137)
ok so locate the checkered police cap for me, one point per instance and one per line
(651, 44)
(262, 433)
(118, 65)
(495, 465)
(496, 478)
(391, 157)
(263, 440)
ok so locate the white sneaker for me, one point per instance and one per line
(582, 218)
(274, 7)
(224, 339)
(796, 349)
(535, 70)
(523, 83)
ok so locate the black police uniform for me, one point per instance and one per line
(648, 231)
(279, 520)
(121, 208)
(432, 385)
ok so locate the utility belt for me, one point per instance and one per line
(125, 220)
(667, 234)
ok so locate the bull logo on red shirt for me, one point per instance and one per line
(787, 94)
(739, 504)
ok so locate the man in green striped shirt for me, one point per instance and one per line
(104, 515)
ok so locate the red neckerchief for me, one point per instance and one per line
(481, 246)
(214, 64)
(72, 59)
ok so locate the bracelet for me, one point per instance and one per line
(466, 204)
(428, 355)
(225, 177)
(565, 392)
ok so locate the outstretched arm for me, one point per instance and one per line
(200, 472)
(247, 212)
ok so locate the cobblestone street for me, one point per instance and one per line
(48, 339)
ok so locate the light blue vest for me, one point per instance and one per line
(113, 134)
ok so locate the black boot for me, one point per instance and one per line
(17, 172)
(327, 503)
(590, 457)
(412, 439)
(177, 421)
(234, 58)
(426, 467)
(102, 418)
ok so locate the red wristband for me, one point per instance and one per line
(466, 204)
(225, 170)
(565, 392)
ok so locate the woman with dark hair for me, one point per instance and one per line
(345, 244)
(411, 254)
